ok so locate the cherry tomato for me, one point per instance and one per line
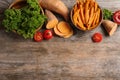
(116, 17)
(38, 37)
(97, 37)
(47, 34)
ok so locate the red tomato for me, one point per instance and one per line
(97, 37)
(38, 36)
(116, 17)
(47, 34)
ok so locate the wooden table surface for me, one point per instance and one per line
(76, 58)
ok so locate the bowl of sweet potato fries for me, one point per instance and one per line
(86, 15)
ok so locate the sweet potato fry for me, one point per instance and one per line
(90, 17)
(91, 12)
(98, 13)
(93, 26)
(75, 18)
(91, 3)
(86, 11)
(82, 14)
(97, 17)
(75, 8)
(96, 6)
(79, 26)
(80, 22)
(87, 16)
(90, 21)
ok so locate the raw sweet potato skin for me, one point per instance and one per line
(56, 6)
(110, 26)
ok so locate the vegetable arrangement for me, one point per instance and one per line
(26, 20)
(86, 14)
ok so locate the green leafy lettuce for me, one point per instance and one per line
(24, 21)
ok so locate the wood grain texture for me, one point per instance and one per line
(76, 58)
